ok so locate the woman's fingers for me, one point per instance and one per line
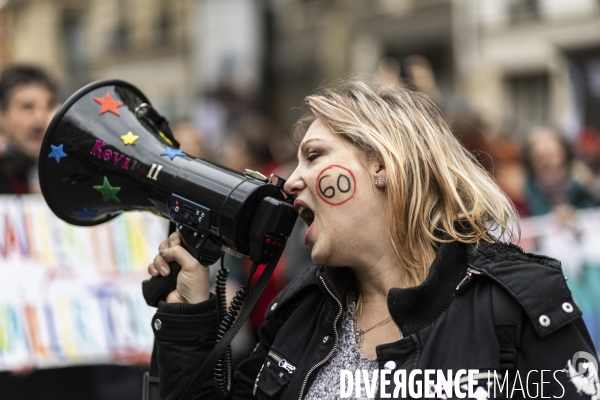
(192, 281)
(180, 256)
(152, 270)
(174, 239)
(161, 265)
(163, 245)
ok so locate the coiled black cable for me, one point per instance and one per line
(223, 371)
(221, 288)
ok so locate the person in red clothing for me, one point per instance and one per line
(27, 103)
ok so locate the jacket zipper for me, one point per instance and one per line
(470, 273)
(256, 380)
(282, 362)
(335, 343)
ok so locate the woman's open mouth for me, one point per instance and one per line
(305, 213)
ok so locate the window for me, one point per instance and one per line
(122, 32)
(527, 100)
(165, 23)
(73, 28)
(523, 10)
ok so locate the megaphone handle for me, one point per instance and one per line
(157, 288)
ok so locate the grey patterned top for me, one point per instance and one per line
(347, 356)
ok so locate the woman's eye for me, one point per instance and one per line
(312, 156)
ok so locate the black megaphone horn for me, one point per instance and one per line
(107, 150)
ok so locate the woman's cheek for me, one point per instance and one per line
(335, 185)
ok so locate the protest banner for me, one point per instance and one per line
(72, 295)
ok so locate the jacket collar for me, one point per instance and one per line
(417, 307)
(536, 282)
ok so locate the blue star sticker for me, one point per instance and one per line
(172, 153)
(57, 152)
(85, 213)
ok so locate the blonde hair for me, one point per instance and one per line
(436, 191)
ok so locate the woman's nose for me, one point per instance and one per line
(294, 184)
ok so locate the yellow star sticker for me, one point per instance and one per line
(130, 138)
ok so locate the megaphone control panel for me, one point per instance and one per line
(186, 212)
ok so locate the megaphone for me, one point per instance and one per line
(107, 150)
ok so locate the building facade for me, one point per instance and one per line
(526, 62)
(171, 49)
(518, 62)
(315, 42)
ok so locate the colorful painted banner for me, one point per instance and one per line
(72, 295)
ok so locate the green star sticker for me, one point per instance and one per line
(108, 192)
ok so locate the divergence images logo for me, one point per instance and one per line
(583, 373)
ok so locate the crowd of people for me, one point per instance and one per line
(538, 168)
(541, 173)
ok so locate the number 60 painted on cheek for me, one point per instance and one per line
(336, 185)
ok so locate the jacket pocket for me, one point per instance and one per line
(275, 373)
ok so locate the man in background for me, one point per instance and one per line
(27, 103)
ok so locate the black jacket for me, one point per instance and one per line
(447, 323)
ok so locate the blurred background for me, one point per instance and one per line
(518, 81)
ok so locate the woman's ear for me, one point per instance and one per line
(378, 173)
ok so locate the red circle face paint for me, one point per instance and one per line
(336, 185)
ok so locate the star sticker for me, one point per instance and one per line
(108, 104)
(85, 213)
(57, 152)
(172, 153)
(130, 138)
(108, 192)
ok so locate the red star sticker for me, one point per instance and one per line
(108, 104)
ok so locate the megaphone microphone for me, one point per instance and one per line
(107, 150)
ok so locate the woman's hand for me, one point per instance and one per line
(192, 281)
